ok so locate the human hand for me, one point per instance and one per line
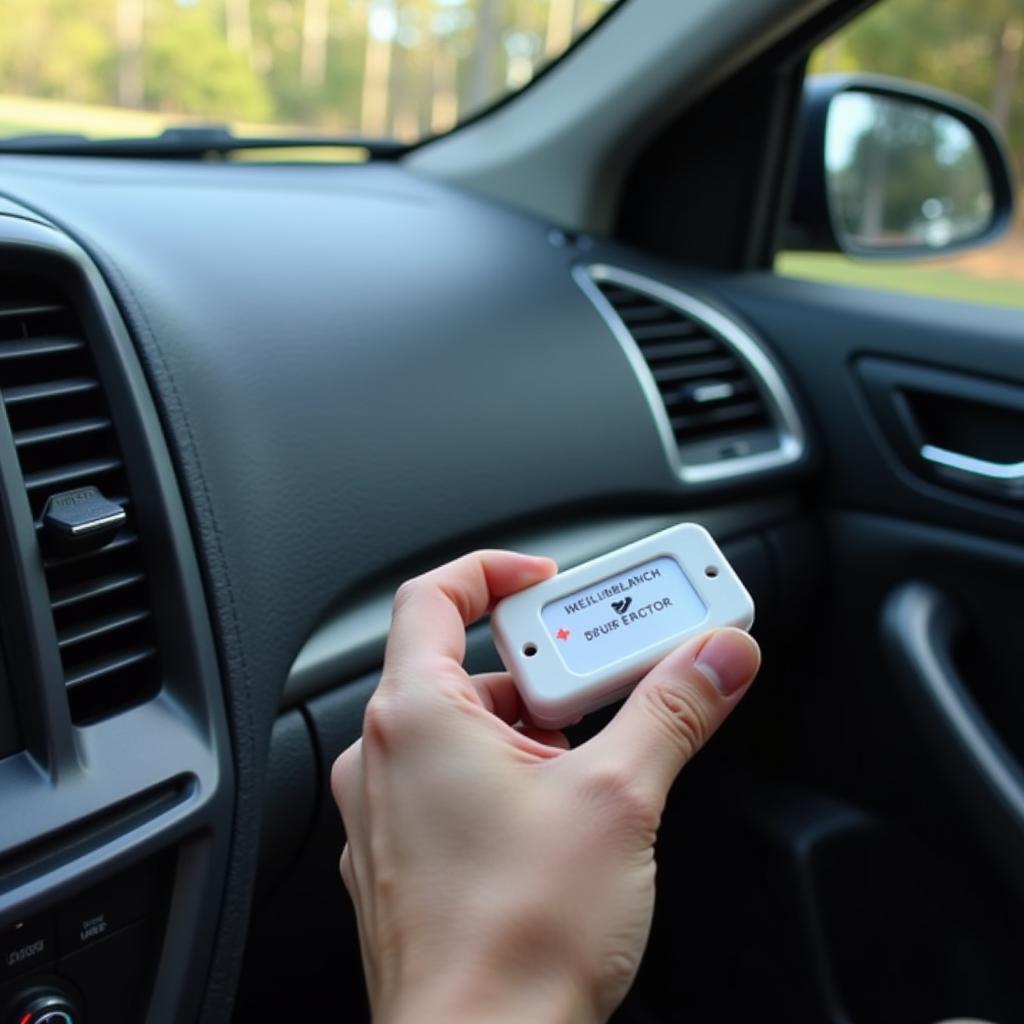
(497, 875)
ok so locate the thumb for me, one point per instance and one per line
(675, 708)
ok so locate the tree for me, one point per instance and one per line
(238, 18)
(314, 43)
(380, 34)
(191, 69)
(968, 47)
(479, 88)
(563, 19)
(130, 25)
(1007, 69)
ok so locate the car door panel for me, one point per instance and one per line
(914, 699)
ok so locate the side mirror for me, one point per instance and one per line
(889, 168)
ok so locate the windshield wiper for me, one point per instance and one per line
(201, 142)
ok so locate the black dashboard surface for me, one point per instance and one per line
(360, 373)
(357, 371)
(355, 368)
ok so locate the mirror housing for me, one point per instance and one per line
(956, 135)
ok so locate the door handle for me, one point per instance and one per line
(950, 427)
(919, 627)
(1007, 477)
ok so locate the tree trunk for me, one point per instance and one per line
(872, 230)
(1007, 67)
(480, 89)
(563, 16)
(239, 26)
(403, 99)
(444, 106)
(376, 76)
(313, 65)
(130, 22)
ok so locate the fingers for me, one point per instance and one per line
(498, 693)
(546, 737)
(346, 787)
(675, 709)
(347, 790)
(432, 611)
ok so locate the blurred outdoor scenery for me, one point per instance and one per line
(398, 68)
(969, 47)
(408, 69)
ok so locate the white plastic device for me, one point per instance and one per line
(585, 637)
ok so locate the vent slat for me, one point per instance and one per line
(33, 347)
(619, 297)
(65, 438)
(645, 314)
(29, 309)
(644, 333)
(712, 417)
(57, 480)
(108, 666)
(690, 394)
(25, 393)
(101, 627)
(60, 432)
(125, 539)
(706, 387)
(680, 349)
(102, 586)
(694, 371)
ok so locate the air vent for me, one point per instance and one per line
(723, 406)
(65, 440)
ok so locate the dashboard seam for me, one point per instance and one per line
(152, 358)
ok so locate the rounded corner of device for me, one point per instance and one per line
(695, 527)
(546, 713)
(749, 614)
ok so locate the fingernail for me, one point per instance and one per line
(729, 660)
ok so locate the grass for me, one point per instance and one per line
(20, 115)
(939, 282)
(25, 115)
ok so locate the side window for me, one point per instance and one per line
(974, 48)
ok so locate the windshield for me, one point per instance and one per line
(399, 69)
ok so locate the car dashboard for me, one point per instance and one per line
(303, 384)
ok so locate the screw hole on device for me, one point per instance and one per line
(711, 571)
(529, 650)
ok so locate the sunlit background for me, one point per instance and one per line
(403, 69)
(974, 48)
(409, 69)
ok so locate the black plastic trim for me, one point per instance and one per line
(920, 625)
(73, 776)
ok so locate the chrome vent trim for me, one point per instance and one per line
(786, 420)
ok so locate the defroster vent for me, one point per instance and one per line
(726, 411)
(65, 440)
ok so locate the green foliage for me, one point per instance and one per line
(55, 49)
(427, 62)
(188, 67)
(969, 47)
(400, 67)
